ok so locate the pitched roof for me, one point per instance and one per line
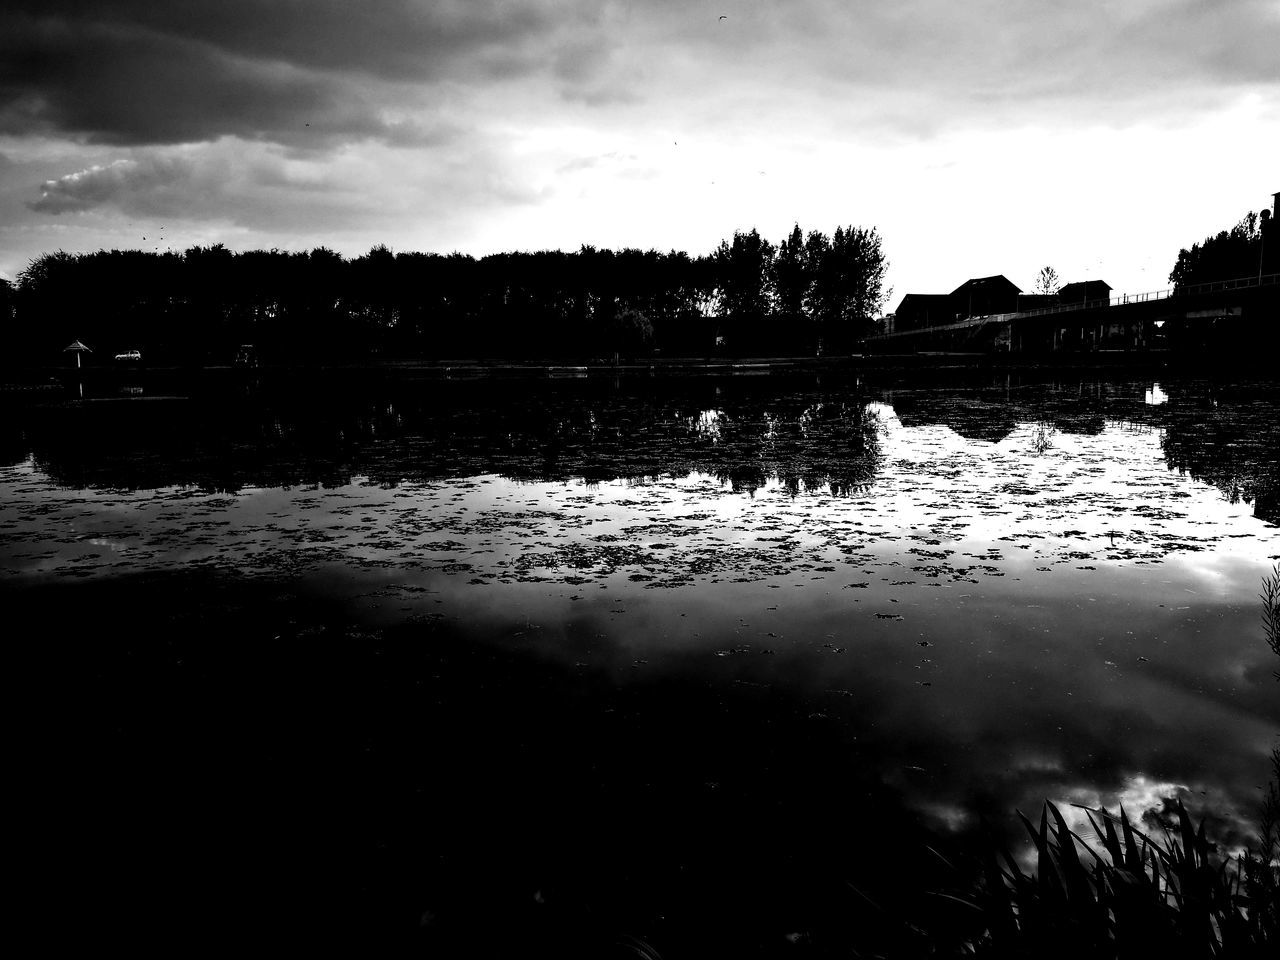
(999, 281)
(1083, 288)
(924, 298)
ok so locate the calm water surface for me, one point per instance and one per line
(735, 614)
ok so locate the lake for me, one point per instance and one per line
(708, 664)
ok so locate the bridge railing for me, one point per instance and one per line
(1243, 283)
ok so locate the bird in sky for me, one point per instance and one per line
(723, 17)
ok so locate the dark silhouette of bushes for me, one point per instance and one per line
(197, 307)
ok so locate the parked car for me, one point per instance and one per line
(130, 356)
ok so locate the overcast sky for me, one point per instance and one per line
(978, 137)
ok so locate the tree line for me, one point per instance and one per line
(1233, 254)
(808, 294)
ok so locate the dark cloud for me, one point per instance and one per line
(143, 89)
(402, 39)
(141, 72)
(292, 72)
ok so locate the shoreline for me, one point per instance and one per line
(29, 380)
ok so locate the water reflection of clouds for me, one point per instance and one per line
(1148, 804)
(968, 615)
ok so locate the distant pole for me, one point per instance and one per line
(1262, 243)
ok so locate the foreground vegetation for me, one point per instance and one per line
(1130, 893)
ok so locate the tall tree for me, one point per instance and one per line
(791, 276)
(848, 288)
(1047, 281)
(745, 284)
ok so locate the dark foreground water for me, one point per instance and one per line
(711, 666)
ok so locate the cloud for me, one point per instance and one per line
(403, 40)
(119, 183)
(291, 72)
(116, 88)
(315, 74)
(595, 161)
(264, 190)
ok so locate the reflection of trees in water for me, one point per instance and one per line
(745, 436)
(745, 433)
(1231, 440)
(1042, 439)
(13, 445)
(974, 417)
(804, 443)
(833, 445)
(141, 445)
(1226, 436)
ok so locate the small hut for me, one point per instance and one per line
(77, 348)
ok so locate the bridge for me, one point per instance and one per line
(1228, 314)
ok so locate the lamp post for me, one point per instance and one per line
(78, 348)
(1262, 240)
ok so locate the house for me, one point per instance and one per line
(984, 296)
(1088, 290)
(920, 310)
(977, 297)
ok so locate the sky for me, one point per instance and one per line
(1097, 137)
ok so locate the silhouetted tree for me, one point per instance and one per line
(745, 289)
(791, 275)
(1229, 255)
(1047, 281)
(848, 286)
(200, 305)
(793, 281)
(632, 333)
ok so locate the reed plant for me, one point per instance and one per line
(1270, 598)
(1130, 893)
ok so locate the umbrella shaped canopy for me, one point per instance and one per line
(77, 348)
